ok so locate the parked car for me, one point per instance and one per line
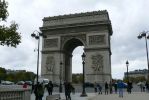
(42, 80)
(20, 82)
(28, 82)
(7, 83)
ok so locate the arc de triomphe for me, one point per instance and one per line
(64, 33)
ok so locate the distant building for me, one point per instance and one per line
(137, 73)
(14, 71)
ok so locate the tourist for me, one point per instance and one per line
(147, 86)
(68, 89)
(40, 91)
(95, 87)
(99, 89)
(120, 85)
(49, 87)
(33, 86)
(110, 87)
(129, 87)
(36, 91)
(25, 85)
(106, 88)
(115, 87)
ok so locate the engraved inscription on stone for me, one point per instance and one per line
(96, 39)
(97, 62)
(51, 43)
(50, 63)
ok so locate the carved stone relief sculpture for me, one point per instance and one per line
(51, 43)
(97, 62)
(50, 63)
(96, 39)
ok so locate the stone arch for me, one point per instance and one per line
(64, 33)
(68, 48)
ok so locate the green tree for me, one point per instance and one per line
(2, 73)
(8, 35)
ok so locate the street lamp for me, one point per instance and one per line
(60, 87)
(144, 34)
(83, 63)
(127, 64)
(37, 36)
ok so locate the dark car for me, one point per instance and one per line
(88, 84)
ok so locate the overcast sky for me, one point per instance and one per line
(128, 17)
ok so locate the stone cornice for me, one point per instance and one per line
(75, 25)
(77, 20)
(100, 12)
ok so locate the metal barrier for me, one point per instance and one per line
(14, 92)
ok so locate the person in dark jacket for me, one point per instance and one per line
(106, 88)
(50, 87)
(68, 89)
(129, 87)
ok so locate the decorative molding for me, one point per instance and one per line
(97, 62)
(76, 29)
(81, 37)
(97, 40)
(48, 43)
(50, 63)
(100, 12)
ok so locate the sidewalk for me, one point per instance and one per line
(93, 96)
(133, 96)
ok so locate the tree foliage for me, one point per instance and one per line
(8, 35)
(16, 76)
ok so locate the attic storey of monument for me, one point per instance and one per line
(92, 30)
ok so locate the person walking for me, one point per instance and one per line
(120, 88)
(36, 91)
(99, 89)
(147, 86)
(110, 87)
(68, 89)
(40, 91)
(106, 88)
(129, 86)
(95, 87)
(115, 87)
(49, 87)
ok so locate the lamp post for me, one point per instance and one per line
(60, 87)
(144, 34)
(37, 36)
(127, 64)
(83, 63)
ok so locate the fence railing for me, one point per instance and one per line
(14, 92)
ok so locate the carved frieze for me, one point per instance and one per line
(69, 30)
(97, 62)
(50, 63)
(97, 39)
(68, 37)
(48, 43)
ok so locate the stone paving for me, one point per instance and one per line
(93, 96)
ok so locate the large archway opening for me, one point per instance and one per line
(77, 67)
(73, 49)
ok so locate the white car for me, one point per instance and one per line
(42, 80)
(7, 83)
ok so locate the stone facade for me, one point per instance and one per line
(64, 33)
